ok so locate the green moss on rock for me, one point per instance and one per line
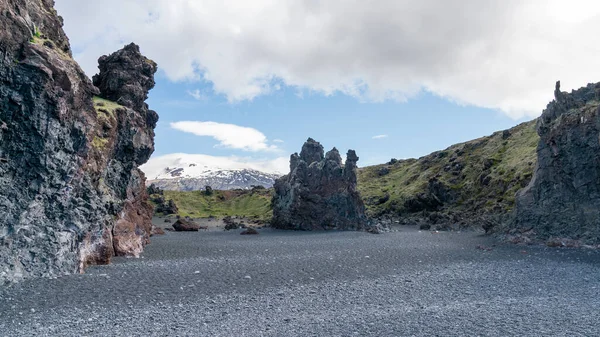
(106, 108)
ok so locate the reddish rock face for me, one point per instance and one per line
(157, 231)
(128, 239)
(132, 231)
(96, 250)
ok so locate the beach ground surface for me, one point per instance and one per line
(283, 283)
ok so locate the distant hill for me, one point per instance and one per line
(466, 184)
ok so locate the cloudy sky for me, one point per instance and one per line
(249, 81)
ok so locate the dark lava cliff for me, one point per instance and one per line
(70, 190)
(319, 192)
(563, 198)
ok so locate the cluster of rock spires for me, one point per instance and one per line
(563, 197)
(71, 194)
(162, 206)
(319, 192)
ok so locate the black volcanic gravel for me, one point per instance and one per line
(405, 283)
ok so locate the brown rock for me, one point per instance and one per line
(157, 231)
(184, 225)
(563, 242)
(126, 240)
(96, 251)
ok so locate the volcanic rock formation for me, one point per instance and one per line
(319, 192)
(70, 191)
(563, 197)
(161, 205)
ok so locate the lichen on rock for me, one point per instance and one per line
(319, 192)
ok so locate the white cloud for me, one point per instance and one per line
(380, 136)
(277, 141)
(229, 135)
(197, 94)
(157, 164)
(502, 54)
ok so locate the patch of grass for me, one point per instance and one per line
(36, 37)
(246, 203)
(105, 108)
(99, 143)
(39, 39)
(36, 31)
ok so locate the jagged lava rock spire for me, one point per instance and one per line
(319, 192)
(563, 197)
(125, 77)
(70, 191)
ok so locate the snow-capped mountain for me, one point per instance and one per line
(218, 180)
(193, 172)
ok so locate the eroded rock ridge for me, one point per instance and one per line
(319, 192)
(563, 197)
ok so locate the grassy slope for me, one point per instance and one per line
(484, 173)
(256, 204)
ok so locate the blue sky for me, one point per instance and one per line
(421, 125)
(244, 83)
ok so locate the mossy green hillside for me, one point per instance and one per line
(484, 174)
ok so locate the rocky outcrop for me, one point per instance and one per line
(319, 192)
(125, 78)
(162, 206)
(165, 207)
(563, 197)
(70, 191)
